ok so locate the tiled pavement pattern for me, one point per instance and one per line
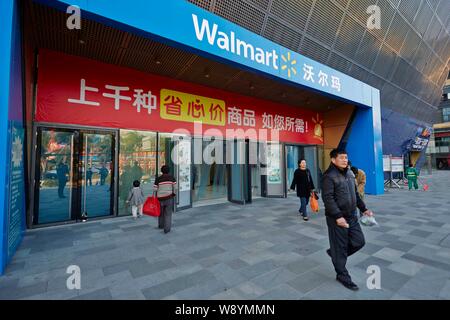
(258, 251)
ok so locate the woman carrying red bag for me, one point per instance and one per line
(164, 188)
(304, 184)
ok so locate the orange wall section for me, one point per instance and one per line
(334, 125)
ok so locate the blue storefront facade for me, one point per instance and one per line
(12, 172)
(185, 26)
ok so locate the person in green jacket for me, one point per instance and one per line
(411, 175)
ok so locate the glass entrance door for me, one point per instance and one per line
(174, 150)
(294, 153)
(209, 171)
(74, 175)
(55, 181)
(97, 174)
(273, 157)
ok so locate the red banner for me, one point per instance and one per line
(80, 91)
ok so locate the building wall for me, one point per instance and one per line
(398, 130)
(12, 204)
(407, 59)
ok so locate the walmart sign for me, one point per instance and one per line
(230, 43)
(182, 24)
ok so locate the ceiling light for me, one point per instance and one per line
(206, 73)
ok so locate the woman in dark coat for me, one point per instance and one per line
(304, 184)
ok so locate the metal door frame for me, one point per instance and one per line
(35, 165)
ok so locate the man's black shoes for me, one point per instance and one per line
(349, 284)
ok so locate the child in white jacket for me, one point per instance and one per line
(136, 198)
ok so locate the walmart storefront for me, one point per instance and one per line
(151, 83)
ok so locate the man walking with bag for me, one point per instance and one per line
(165, 192)
(341, 199)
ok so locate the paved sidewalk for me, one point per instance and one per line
(259, 251)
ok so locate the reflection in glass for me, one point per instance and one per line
(293, 154)
(310, 155)
(255, 169)
(55, 184)
(210, 177)
(137, 161)
(96, 163)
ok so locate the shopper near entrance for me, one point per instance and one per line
(103, 174)
(360, 179)
(89, 174)
(62, 172)
(136, 171)
(341, 199)
(165, 192)
(136, 199)
(304, 184)
(411, 175)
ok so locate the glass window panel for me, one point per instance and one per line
(56, 176)
(209, 172)
(97, 170)
(137, 161)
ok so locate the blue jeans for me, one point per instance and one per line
(304, 206)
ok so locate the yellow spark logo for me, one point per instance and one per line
(288, 64)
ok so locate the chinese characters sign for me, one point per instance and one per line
(92, 93)
(187, 107)
(208, 34)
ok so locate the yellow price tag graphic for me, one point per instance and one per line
(181, 106)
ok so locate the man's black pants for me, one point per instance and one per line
(344, 242)
(165, 218)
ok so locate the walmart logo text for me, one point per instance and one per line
(230, 43)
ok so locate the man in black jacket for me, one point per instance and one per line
(341, 199)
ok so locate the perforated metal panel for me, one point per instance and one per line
(399, 74)
(374, 81)
(409, 9)
(443, 10)
(358, 9)
(368, 50)
(411, 48)
(338, 62)
(340, 25)
(205, 4)
(282, 34)
(349, 37)
(410, 45)
(387, 13)
(314, 50)
(397, 33)
(433, 3)
(433, 31)
(423, 18)
(441, 43)
(294, 12)
(421, 56)
(358, 72)
(324, 29)
(241, 13)
(395, 3)
(342, 3)
(263, 4)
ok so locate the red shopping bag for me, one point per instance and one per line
(314, 204)
(151, 207)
